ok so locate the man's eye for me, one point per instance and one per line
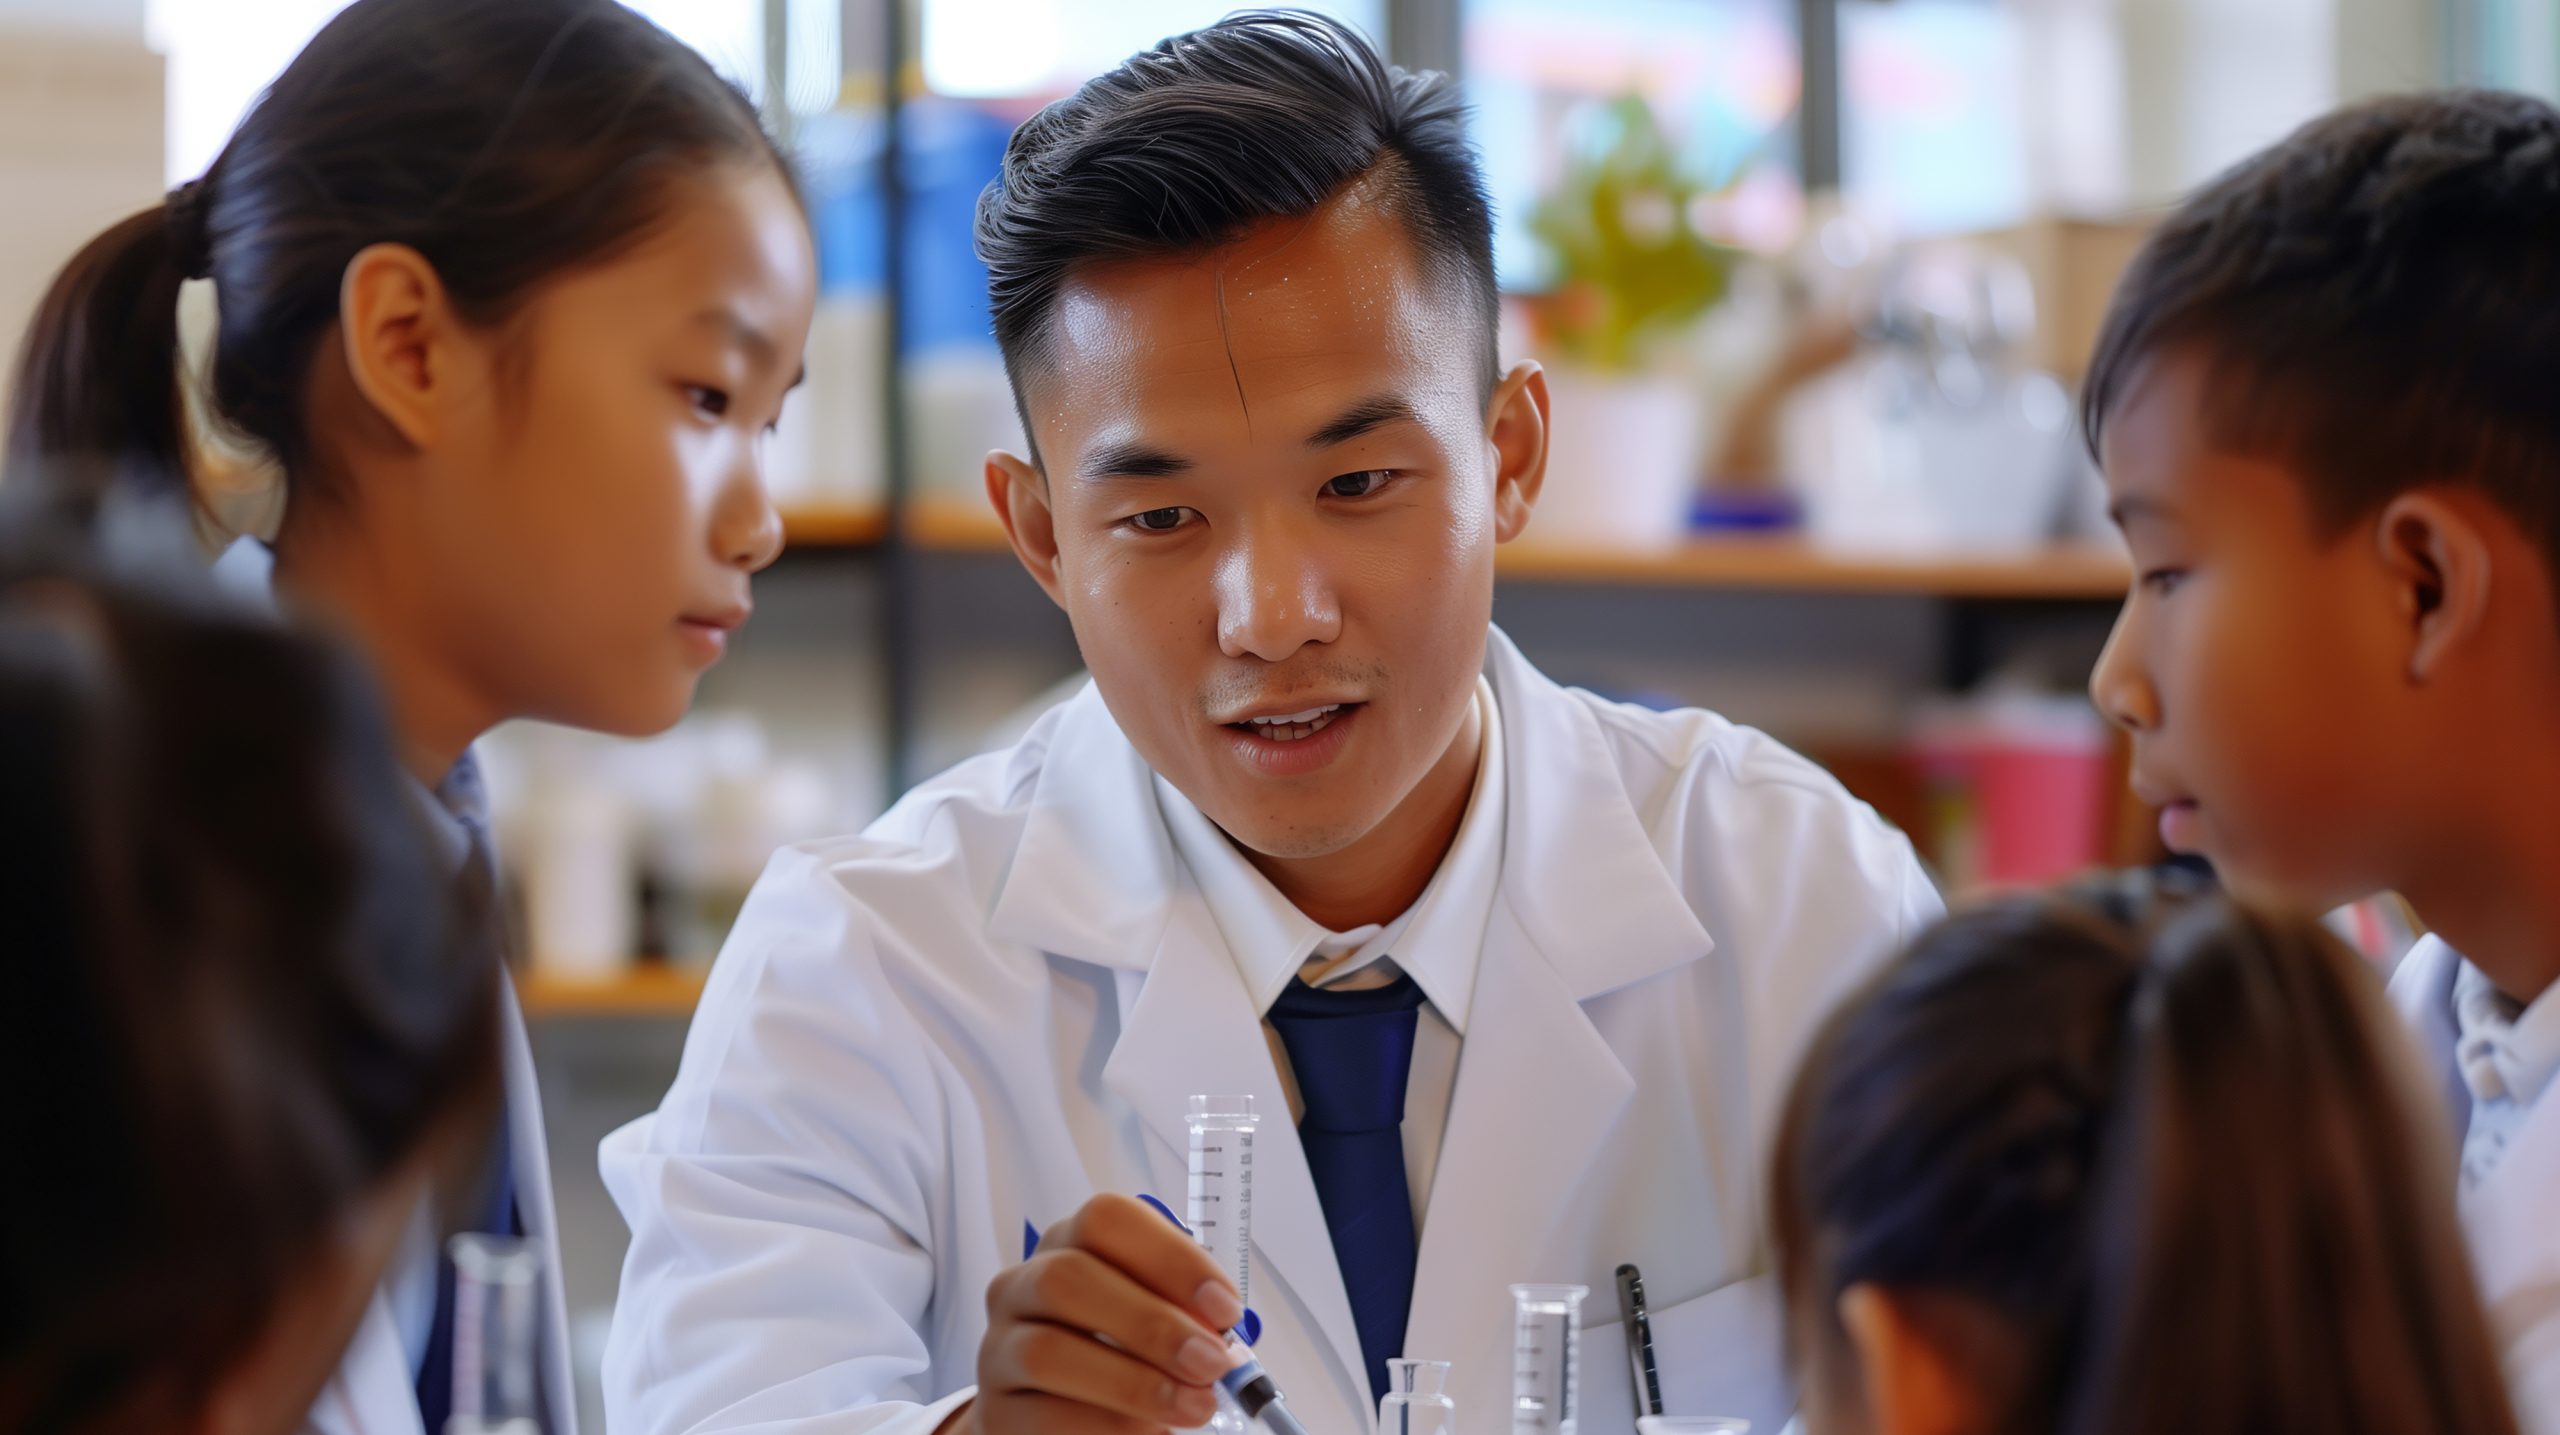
(1357, 485)
(1158, 520)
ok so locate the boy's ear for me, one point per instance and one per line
(1020, 494)
(2439, 562)
(1914, 1382)
(1516, 431)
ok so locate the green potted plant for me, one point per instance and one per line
(1631, 274)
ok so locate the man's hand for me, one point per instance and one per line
(1117, 1326)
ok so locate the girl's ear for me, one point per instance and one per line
(1914, 1383)
(396, 331)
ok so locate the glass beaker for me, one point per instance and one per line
(1417, 1400)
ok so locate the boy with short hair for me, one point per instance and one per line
(2327, 401)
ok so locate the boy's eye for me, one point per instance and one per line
(1357, 485)
(714, 402)
(1159, 520)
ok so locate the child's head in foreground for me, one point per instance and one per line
(2327, 400)
(2128, 1158)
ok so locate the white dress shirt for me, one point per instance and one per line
(1436, 941)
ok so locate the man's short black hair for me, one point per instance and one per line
(2377, 299)
(1266, 114)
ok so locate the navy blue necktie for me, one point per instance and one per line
(1351, 1052)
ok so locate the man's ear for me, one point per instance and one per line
(2439, 562)
(397, 331)
(1020, 495)
(1913, 1384)
(1516, 431)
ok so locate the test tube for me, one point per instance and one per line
(496, 1310)
(1546, 1358)
(1221, 1194)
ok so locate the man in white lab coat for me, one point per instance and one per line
(1515, 974)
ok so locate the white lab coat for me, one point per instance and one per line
(995, 1003)
(2513, 1219)
(373, 1392)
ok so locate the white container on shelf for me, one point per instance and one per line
(576, 866)
(1622, 461)
(826, 453)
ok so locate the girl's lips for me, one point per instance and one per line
(707, 640)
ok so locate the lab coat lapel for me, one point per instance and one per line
(1194, 1029)
(1539, 1089)
(372, 1392)
(1095, 879)
(1090, 875)
(530, 1151)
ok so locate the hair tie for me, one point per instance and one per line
(190, 241)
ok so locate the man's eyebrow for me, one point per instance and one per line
(1131, 459)
(1375, 412)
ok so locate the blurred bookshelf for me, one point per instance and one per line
(2062, 572)
(645, 989)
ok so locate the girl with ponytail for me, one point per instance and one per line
(511, 291)
(2131, 1160)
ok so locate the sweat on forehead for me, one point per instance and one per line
(1327, 269)
(1309, 285)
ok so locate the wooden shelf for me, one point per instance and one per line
(1790, 564)
(2086, 571)
(834, 525)
(651, 989)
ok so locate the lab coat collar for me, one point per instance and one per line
(1436, 941)
(1094, 870)
(1582, 876)
(1101, 867)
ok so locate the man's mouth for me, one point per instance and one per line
(1293, 726)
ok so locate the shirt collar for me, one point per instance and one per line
(1436, 941)
(2503, 1049)
(457, 812)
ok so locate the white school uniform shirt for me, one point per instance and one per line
(375, 1389)
(994, 1004)
(2511, 1211)
(1435, 941)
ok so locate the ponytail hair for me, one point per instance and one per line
(507, 141)
(2170, 1145)
(98, 369)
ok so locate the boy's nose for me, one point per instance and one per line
(2119, 687)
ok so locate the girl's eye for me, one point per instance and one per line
(714, 402)
(1357, 485)
(2163, 580)
(1158, 520)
